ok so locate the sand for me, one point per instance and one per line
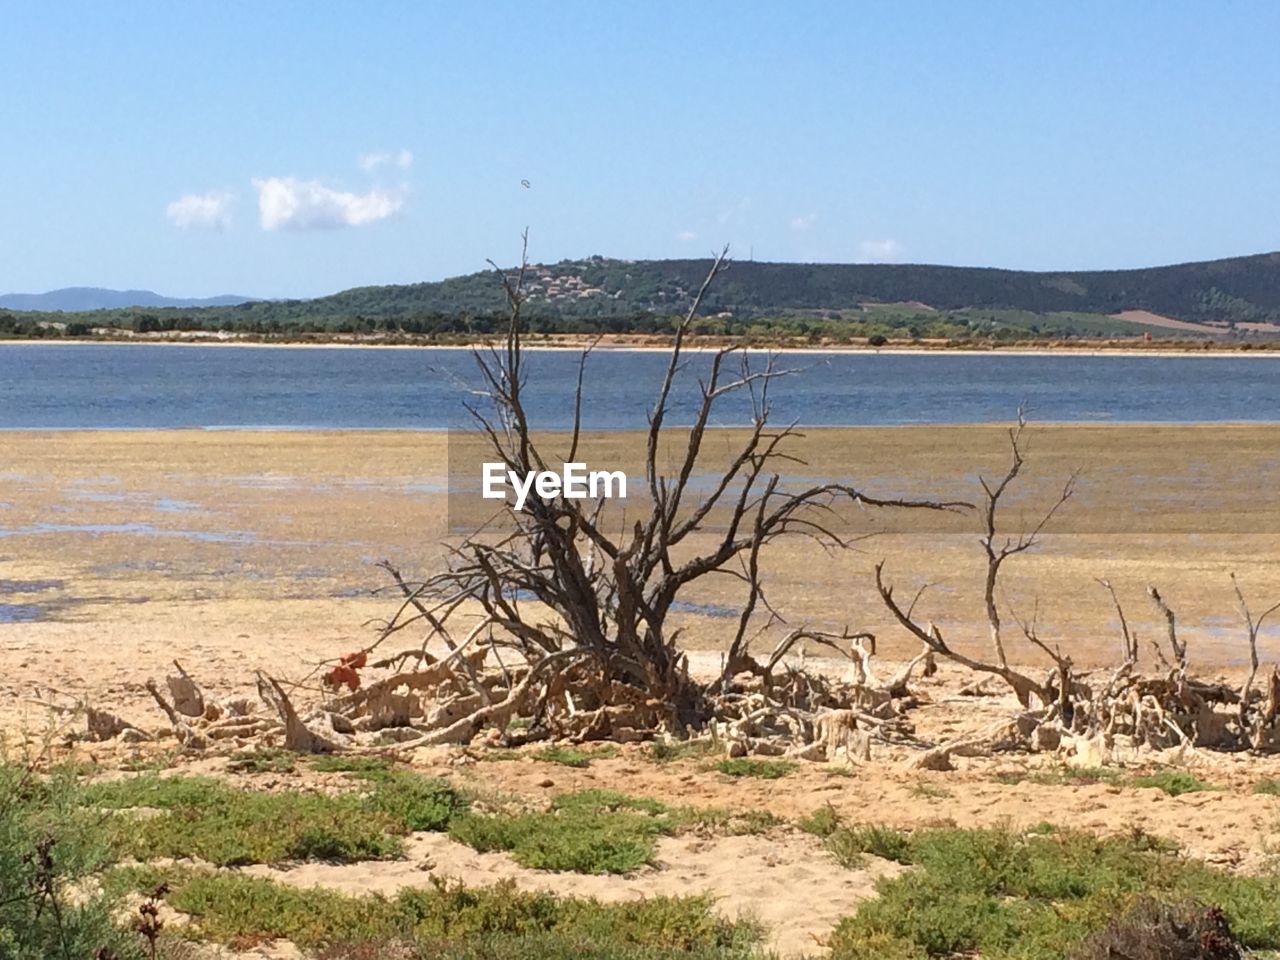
(120, 551)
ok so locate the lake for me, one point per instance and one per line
(106, 386)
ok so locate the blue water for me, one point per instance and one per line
(103, 386)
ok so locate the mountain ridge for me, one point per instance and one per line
(87, 299)
(1231, 289)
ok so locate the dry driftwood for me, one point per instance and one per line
(188, 698)
(297, 735)
(187, 735)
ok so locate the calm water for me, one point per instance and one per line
(104, 386)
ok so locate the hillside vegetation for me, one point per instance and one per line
(830, 300)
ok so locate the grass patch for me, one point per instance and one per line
(999, 895)
(360, 766)
(1268, 788)
(448, 920)
(206, 819)
(574, 757)
(752, 767)
(593, 831)
(1173, 782)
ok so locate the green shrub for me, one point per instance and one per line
(1035, 897)
(594, 831)
(46, 850)
(821, 823)
(204, 818)
(751, 767)
(420, 803)
(447, 919)
(849, 844)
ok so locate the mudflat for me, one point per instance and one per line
(122, 550)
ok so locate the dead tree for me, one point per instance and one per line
(586, 607)
(1257, 726)
(997, 549)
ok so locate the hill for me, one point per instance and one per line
(81, 299)
(1239, 289)
(837, 301)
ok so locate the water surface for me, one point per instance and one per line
(105, 386)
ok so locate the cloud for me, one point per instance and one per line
(879, 251)
(291, 204)
(804, 222)
(195, 211)
(401, 159)
(686, 236)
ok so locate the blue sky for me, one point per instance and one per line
(294, 149)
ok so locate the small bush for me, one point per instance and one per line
(1268, 788)
(823, 822)
(420, 803)
(46, 851)
(594, 831)
(751, 767)
(849, 844)
(1151, 930)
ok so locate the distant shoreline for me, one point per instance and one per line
(700, 345)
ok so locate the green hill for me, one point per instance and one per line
(814, 299)
(1232, 290)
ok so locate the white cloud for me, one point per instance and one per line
(879, 251)
(209, 211)
(285, 202)
(401, 159)
(686, 236)
(804, 222)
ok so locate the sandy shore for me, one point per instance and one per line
(623, 345)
